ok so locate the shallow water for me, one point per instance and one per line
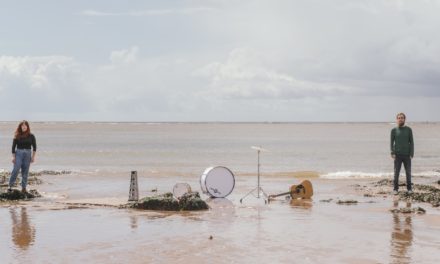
(59, 228)
(45, 231)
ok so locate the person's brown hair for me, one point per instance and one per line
(19, 133)
(402, 114)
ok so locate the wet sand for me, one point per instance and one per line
(68, 225)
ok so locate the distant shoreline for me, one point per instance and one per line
(222, 122)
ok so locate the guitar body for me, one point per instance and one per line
(304, 190)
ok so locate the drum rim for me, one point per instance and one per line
(207, 190)
(183, 183)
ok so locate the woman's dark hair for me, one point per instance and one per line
(19, 133)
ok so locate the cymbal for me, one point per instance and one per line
(258, 148)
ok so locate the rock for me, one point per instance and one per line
(427, 188)
(408, 210)
(422, 192)
(32, 179)
(347, 202)
(18, 195)
(420, 210)
(52, 172)
(38, 173)
(429, 194)
(384, 182)
(166, 202)
(389, 182)
(191, 201)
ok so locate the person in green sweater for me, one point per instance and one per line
(402, 151)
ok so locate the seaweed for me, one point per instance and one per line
(166, 202)
(18, 195)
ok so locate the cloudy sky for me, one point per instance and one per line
(219, 60)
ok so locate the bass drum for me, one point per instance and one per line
(217, 182)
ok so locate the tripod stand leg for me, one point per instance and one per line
(259, 190)
(266, 197)
(241, 200)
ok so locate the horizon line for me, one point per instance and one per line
(212, 122)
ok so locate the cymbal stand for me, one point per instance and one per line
(257, 192)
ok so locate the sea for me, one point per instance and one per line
(325, 150)
(78, 219)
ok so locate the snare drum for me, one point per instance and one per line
(217, 182)
(181, 189)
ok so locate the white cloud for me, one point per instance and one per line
(125, 55)
(147, 88)
(40, 84)
(391, 44)
(36, 73)
(126, 88)
(245, 75)
(243, 86)
(97, 13)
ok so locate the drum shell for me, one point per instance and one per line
(208, 191)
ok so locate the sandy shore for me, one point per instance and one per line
(77, 220)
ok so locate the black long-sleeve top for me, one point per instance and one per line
(24, 143)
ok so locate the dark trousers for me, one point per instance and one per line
(406, 160)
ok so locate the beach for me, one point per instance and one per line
(78, 218)
(218, 131)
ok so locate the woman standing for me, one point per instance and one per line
(22, 157)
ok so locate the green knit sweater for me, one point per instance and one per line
(402, 142)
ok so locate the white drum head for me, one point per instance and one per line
(217, 182)
(180, 189)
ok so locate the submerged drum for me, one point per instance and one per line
(181, 189)
(217, 182)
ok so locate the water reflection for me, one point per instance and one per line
(401, 236)
(216, 203)
(301, 203)
(222, 209)
(23, 233)
(133, 221)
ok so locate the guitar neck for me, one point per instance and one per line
(277, 195)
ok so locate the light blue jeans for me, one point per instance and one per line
(23, 162)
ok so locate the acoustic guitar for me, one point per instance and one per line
(304, 190)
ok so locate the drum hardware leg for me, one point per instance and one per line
(257, 192)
